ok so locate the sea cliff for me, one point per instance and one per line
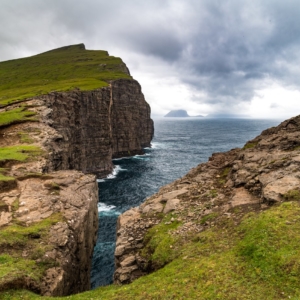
(50, 145)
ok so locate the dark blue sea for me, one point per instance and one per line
(178, 145)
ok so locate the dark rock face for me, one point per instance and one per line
(96, 126)
(132, 128)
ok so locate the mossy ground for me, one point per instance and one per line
(61, 69)
(16, 115)
(6, 178)
(258, 259)
(250, 145)
(22, 250)
(19, 152)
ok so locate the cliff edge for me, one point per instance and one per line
(84, 109)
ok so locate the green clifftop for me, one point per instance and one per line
(61, 69)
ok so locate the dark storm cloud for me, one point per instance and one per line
(225, 49)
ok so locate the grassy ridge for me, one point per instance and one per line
(61, 69)
(259, 259)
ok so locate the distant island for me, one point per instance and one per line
(180, 113)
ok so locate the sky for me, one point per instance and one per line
(209, 57)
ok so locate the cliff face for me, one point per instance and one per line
(223, 190)
(131, 126)
(95, 126)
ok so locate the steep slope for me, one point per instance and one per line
(49, 143)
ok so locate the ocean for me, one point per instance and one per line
(178, 145)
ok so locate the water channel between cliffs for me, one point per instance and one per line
(178, 145)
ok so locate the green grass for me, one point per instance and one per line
(3, 177)
(212, 193)
(18, 235)
(25, 138)
(161, 245)
(19, 153)
(208, 217)
(292, 195)
(12, 268)
(61, 69)
(6, 178)
(250, 145)
(33, 239)
(225, 172)
(258, 259)
(17, 115)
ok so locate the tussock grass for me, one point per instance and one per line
(3, 176)
(25, 138)
(6, 178)
(17, 115)
(19, 152)
(19, 235)
(161, 245)
(250, 145)
(16, 239)
(61, 69)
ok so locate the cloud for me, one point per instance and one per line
(222, 52)
(274, 105)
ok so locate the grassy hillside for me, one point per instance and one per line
(61, 69)
(259, 259)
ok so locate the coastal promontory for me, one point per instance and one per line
(64, 114)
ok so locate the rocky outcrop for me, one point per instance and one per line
(78, 132)
(230, 184)
(71, 198)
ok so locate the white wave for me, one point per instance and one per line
(107, 210)
(113, 175)
(158, 145)
(105, 207)
(115, 172)
(142, 157)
